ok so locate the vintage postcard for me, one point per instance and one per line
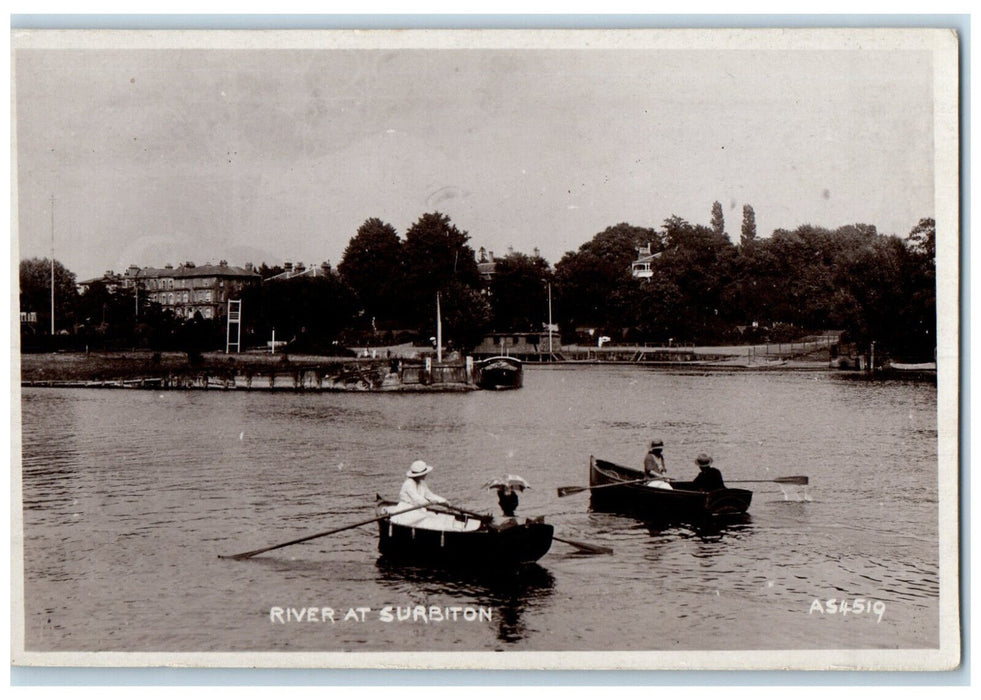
(451, 349)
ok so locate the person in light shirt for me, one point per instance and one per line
(415, 491)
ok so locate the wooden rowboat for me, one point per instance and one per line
(683, 502)
(432, 537)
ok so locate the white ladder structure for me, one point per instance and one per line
(234, 318)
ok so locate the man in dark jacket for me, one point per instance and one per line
(709, 478)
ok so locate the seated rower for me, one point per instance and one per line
(709, 478)
(654, 468)
(414, 493)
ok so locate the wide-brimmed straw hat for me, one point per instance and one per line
(657, 444)
(418, 468)
(703, 460)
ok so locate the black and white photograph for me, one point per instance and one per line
(627, 349)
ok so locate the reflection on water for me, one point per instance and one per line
(709, 529)
(510, 591)
(128, 498)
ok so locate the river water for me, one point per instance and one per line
(129, 496)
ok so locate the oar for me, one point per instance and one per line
(798, 480)
(248, 555)
(584, 546)
(569, 490)
(591, 548)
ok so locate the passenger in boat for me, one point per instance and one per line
(654, 468)
(507, 498)
(709, 478)
(415, 491)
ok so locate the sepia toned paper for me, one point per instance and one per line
(151, 147)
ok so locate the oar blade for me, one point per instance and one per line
(239, 557)
(570, 490)
(797, 480)
(585, 546)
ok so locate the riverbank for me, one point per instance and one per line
(381, 369)
(263, 370)
(253, 371)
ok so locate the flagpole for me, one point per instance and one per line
(549, 321)
(52, 264)
(439, 333)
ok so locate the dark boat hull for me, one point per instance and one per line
(682, 502)
(488, 547)
(500, 373)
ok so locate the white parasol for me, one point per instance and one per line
(509, 482)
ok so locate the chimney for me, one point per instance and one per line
(222, 263)
(300, 267)
(288, 266)
(325, 267)
(248, 267)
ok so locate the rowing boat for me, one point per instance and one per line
(435, 537)
(622, 489)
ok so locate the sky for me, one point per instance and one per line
(156, 156)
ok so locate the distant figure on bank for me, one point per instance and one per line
(709, 478)
(654, 468)
(415, 491)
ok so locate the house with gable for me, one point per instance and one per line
(642, 267)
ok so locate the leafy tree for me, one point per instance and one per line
(197, 335)
(657, 311)
(920, 319)
(594, 286)
(266, 271)
(466, 315)
(518, 292)
(373, 267)
(312, 310)
(874, 277)
(851, 278)
(93, 307)
(436, 254)
(617, 245)
(700, 264)
(718, 220)
(748, 232)
(922, 240)
(35, 293)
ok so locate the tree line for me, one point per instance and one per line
(703, 288)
